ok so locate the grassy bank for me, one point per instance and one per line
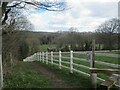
(24, 76)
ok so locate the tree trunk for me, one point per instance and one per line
(110, 42)
(4, 5)
(1, 67)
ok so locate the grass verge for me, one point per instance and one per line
(24, 76)
(73, 79)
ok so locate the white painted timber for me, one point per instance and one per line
(108, 55)
(80, 65)
(66, 67)
(71, 61)
(65, 62)
(60, 59)
(46, 57)
(81, 59)
(43, 57)
(52, 57)
(86, 74)
(65, 57)
(108, 64)
(56, 60)
(55, 64)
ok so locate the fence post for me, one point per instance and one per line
(51, 57)
(34, 57)
(71, 61)
(92, 65)
(37, 58)
(43, 57)
(60, 59)
(46, 57)
(40, 56)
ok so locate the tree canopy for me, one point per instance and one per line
(107, 33)
(45, 4)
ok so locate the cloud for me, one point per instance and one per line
(104, 10)
(86, 15)
(88, 1)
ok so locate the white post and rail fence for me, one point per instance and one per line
(68, 60)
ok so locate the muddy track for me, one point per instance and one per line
(51, 76)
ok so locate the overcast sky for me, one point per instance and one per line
(86, 15)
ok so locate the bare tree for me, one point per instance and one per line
(107, 32)
(46, 5)
(13, 22)
(11, 40)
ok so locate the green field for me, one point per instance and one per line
(44, 47)
(83, 56)
(100, 58)
(111, 52)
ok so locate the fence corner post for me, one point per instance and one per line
(71, 61)
(94, 80)
(60, 59)
(93, 76)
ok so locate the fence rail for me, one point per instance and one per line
(59, 59)
(108, 64)
(108, 55)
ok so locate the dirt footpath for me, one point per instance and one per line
(53, 78)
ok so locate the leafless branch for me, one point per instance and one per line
(50, 6)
